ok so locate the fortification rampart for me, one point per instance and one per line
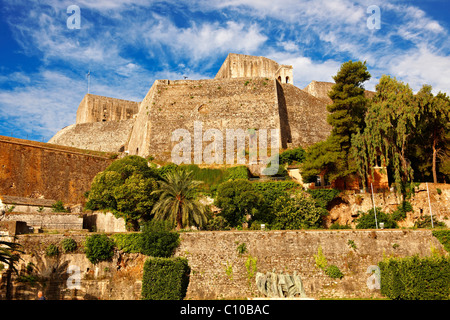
(94, 108)
(40, 170)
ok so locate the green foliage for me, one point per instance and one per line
(390, 121)
(320, 259)
(158, 240)
(58, 206)
(237, 172)
(237, 199)
(165, 279)
(69, 245)
(251, 266)
(275, 186)
(444, 237)
(241, 248)
(333, 272)
(336, 226)
(425, 222)
(128, 242)
(99, 247)
(292, 156)
(367, 220)
(178, 200)
(52, 250)
(298, 212)
(401, 211)
(217, 223)
(416, 278)
(323, 197)
(125, 188)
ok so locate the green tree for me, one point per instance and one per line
(390, 125)
(433, 139)
(298, 212)
(237, 199)
(178, 200)
(346, 116)
(9, 255)
(125, 188)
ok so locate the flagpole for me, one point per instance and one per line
(89, 79)
(429, 204)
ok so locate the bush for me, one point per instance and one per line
(414, 278)
(58, 206)
(158, 240)
(425, 222)
(165, 279)
(333, 272)
(323, 197)
(402, 209)
(52, 250)
(99, 247)
(69, 245)
(128, 242)
(367, 220)
(444, 237)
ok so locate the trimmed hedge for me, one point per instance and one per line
(99, 247)
(165, 279)
(128, 242)
(414, 278)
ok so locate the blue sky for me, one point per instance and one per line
(127, 44)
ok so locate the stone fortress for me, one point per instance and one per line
(248, 92)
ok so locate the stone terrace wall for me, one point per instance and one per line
(210, 253)
(40, 170)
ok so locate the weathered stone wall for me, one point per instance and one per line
(218, 271)
(245, 66)
(293, 251)
(306, 116)
(110, 136)
(218, 104)
(95, 108)
(72, 221)
(40, 170)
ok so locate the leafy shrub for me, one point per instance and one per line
(336, 225)
(158, 240)
(217, 223)
(238, 172)
(58, 206)
(165, 279)
(69, 245)
(444, 237)
(439, 191)
(425, 222)
(290, 156)
(367, 220)
(99, 247)
(323, 196)
(298, 212)
(415, 278)
(333, 272)
(52, 250)
(402, 210)
(128, 242)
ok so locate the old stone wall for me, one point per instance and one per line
(47, 220)
(94, 108)
(110, 136)
(217, 104)
(218, 270)
(40, 170)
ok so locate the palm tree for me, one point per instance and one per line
(9, 254)
(178, 200)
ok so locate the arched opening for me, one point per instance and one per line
(287, 79)
(279, 79)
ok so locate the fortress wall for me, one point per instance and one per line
(110, 136)
(306, 116)
(244, 66)
(221, 104)
(218, 271)
(40, 170)
(94, 108)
